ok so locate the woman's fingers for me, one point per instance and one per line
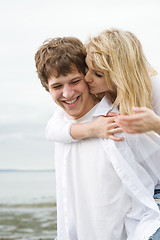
(111, 133)
(112, 114)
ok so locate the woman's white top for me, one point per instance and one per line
(156, 94)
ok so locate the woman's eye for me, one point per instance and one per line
(98, 75)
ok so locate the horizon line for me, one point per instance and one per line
(26, 169)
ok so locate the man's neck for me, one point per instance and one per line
(92, 101)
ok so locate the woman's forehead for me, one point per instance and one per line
(91, 63)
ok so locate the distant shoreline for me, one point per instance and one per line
(27, 170)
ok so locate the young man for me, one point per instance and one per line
(104, 188)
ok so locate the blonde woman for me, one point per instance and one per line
(120, 56)
(117, 68)
(119, 72)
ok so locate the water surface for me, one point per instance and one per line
(27, 205)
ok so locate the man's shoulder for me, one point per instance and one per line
(59, 113)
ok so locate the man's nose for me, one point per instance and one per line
(68, 92)
(88, 78)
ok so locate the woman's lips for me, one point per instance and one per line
(90, 86)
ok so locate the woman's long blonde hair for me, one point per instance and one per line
(120, 56)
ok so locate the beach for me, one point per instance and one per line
(27, 205)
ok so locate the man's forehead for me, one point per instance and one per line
(65, 78)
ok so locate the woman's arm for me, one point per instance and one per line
(60, 130)
(143, 120)
(103, 126)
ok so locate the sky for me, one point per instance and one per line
(25, 106)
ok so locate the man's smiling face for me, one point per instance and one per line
(71, 93)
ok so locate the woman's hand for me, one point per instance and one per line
(143, 120)
(105, 127)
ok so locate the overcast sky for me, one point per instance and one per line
(25, 106)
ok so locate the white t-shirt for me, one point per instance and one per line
(92, 201)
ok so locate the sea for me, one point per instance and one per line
(27, 204)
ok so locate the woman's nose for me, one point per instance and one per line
(88, 77)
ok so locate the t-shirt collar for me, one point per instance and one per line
(104, 106)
